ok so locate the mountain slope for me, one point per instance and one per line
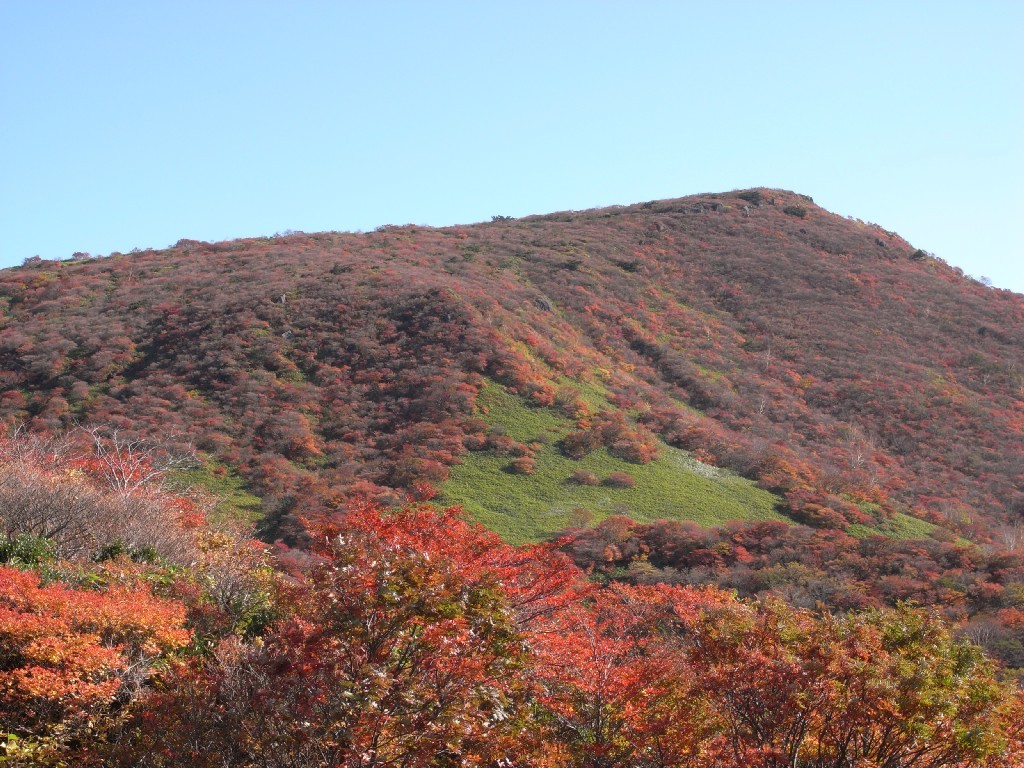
(828, 360)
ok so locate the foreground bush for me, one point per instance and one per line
(70, 659)
(420, 640)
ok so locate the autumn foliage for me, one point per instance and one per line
(409, 636)
(849, 372)
(418, 639)
(68, 653)
(859, 379)
(105, 582)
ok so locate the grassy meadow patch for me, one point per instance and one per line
(523, 508)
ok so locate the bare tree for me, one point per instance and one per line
(45, 493)
(131, 464)
(41, 505)
(1011, 535)
(82, 520)
(24, 449)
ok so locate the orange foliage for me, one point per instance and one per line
(66, 654)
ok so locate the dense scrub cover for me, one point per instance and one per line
(824, 356)
(873, 393)
(410, 637)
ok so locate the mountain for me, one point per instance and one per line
(752, 474)
(860, 380)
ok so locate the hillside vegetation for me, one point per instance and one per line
(725, 480)
(136, 631)
(828, 360)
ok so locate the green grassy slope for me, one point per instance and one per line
(524, 508)
(234, 502)
(899, 527)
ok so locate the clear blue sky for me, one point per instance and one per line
(134, 124)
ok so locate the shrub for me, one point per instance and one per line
(78, 518)
(503, 445)
(25, 549)
(522, 466)
(585, 477)
(71, 656)
(578, 444)
(539, 393)
(620, 480)
(635, 452)
(795, 210)
(569, 403)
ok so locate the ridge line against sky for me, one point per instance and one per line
(134, 125)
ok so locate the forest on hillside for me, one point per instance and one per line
(752, 474)
(823, 357)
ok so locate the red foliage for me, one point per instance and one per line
(824, 358)
(414, 637)
(620, 480)
(67, 654)
(356, 358)
(522, 466)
